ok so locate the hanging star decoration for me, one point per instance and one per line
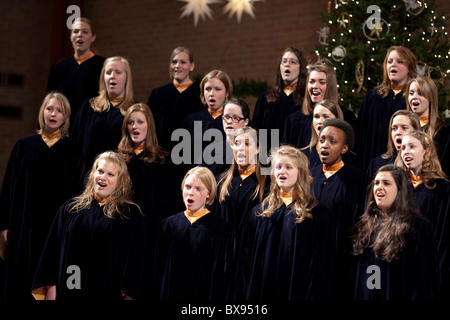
(344, 20)
(376, 31)
(383, 27)
(238, 7)
(198, 8)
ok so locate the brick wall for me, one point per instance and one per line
(146, 32)
(25, 46)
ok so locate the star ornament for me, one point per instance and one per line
(238, 7)
(198, 8)
(377, 31)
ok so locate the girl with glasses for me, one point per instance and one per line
(285, 97)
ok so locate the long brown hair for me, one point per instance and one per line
(410, 60)
(152, 151)
(304, 201)
(331, 92)
(385, 234)
(431, 166)
(119, 199)
(415, 124)
(278, 86)
(428, 89)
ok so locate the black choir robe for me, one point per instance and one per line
(97, 132)
(414, 276)
(235, 209)
(170, 107)
(344, 194)
(197, 125)
(297, 130)
(154, 186)
(238, 204)
(376, 163)
(220, 158)
(78, 82)
(374, 117)
(442, 143)
(38, 179)
(350, 117)
(289, 260)
(313, 157)
(272, 115)
(196, 259)
(435, 205)
(108, 251)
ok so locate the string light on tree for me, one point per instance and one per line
(372, 29)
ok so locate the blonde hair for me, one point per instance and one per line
(431, 166)
(119, 199)
(152, 151)
(410, 60)
(101, 102)
(227, 176)
(304, 201)
(428, 89)
(207, 178)
(65, 106)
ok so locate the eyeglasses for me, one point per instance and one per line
(286, 61)
(235, 119)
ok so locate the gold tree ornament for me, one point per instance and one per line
(197, 8)
(376, 32)
(436, 74)
(344, 20)
(359, 75)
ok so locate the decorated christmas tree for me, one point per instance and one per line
(356, 34)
